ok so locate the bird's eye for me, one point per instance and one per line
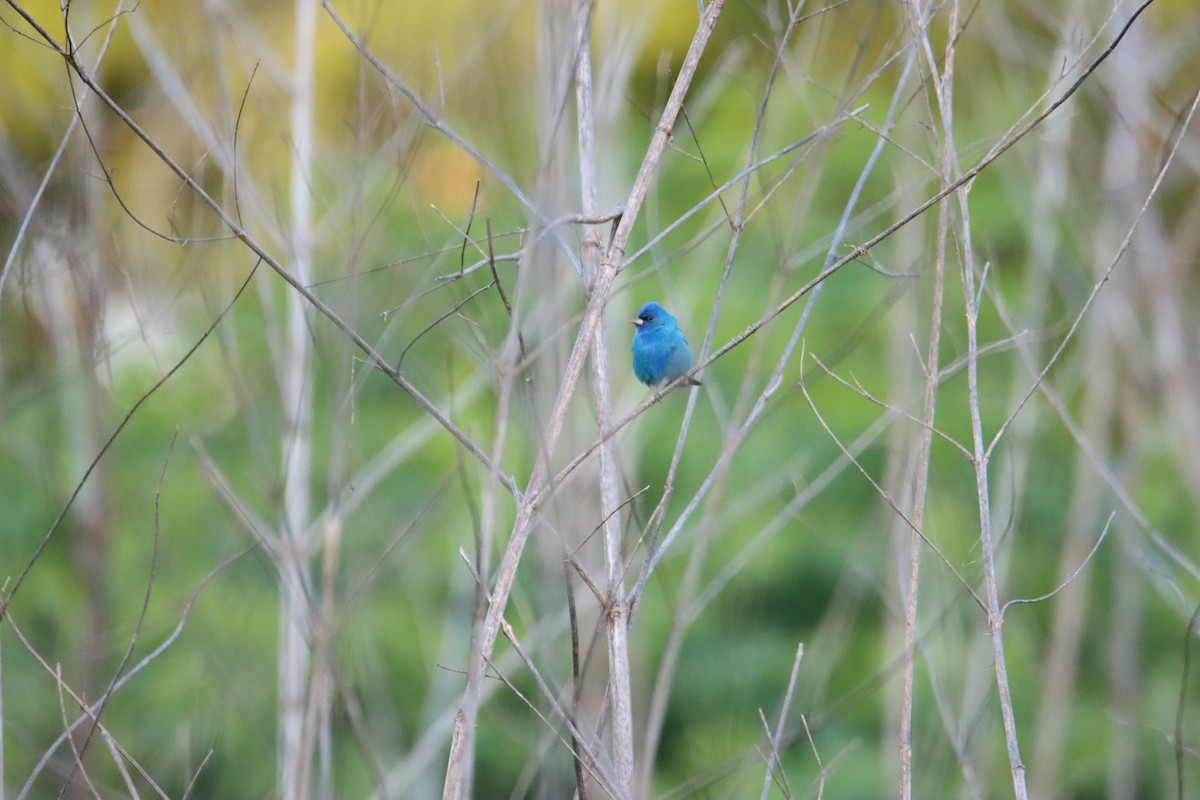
(649, 318)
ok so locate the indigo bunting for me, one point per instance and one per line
(660, 351)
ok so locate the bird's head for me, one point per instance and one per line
(651, 317)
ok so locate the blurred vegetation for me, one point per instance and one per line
(98, 304)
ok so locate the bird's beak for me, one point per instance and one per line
(637, 321)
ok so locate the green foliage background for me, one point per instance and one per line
(98, 305)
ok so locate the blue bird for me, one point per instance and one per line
(660, 351)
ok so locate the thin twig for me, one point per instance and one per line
(1070, 578)
(887, 498)
(1181, 704)
(777, 737)
(150, 658)
(108, 444)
